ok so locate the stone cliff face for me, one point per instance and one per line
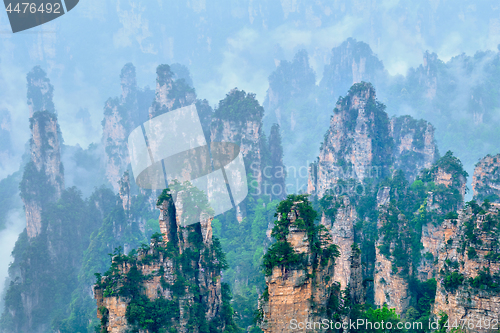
(468, 263)
(414, 145)
(362, 144)
(390, 288)
(299, 283)
(133, 108)
(238, 119)
(170, 94)
(434, 237)
(405, 205)
(181, 271)
(45, 167)
(431, 223)
(340, 225)
(357, 145)
(486, 179)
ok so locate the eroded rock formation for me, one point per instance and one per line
(414, 145)
(486, 179)
(179, 273)
(299, 267)
(43, 179)
(468, 263)
(357, 146)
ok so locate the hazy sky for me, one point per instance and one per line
(225, 44)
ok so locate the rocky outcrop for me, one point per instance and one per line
(363, 144)
(468, 263)
(340, 225)
(486, 179)
(40, 91)
(360, 149)
(170, 94)
(299, 283)
(390, 287)
(351, 62)
(357, 146)
(428, 74)
(414, 145)
(123, 114)
(180, 271)
(43, 179)
(448, 171)
(238, 119)
(124, 193)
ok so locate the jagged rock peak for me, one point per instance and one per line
(448, 171)
(177, 208)
(362, 143)
(118, 122)
(429, 74)
(177, 271)
(357, 145)
(414, 145)
(45, 167)
(486, 179)
(238, 119)
(40, 91)
(239, 106)
(296, 267)
(468, 262)
(170, 94)
(43, 178)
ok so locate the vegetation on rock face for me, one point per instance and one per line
(39, 99)
(239, 105)
(281, 253)
(244, 244)
(52, 271)
(410, 207)
(125, 279)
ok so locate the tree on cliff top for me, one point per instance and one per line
(238, 106)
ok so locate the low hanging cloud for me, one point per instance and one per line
(15, 225)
